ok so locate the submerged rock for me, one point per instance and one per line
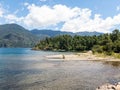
(109, 86)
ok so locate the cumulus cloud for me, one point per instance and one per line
(43, 0)
(11, 18)
(46, 16)
(118, 8)
(96, 24)
(73, 19)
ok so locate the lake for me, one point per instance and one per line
(25, 69)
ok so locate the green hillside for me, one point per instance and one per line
(13, 35)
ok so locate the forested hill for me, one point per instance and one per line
(103, 43)
(13, 35)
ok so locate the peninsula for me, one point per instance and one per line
(102, 47)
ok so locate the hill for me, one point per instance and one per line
(13, 35)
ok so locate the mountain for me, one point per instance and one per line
(49, 33)
(52, 33)
(85, 33)
(13, 35)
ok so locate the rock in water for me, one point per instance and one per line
(109, 87)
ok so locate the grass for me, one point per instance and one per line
(116, 55)
(100, 54)
(112, 54)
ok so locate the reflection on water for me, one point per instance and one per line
(23, 69)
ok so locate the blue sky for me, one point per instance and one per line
(65, 15)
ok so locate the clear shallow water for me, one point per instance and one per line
(24, 69)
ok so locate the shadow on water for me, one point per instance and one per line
(112, 63)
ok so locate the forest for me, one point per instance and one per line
(108, 43)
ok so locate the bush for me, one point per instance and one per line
(97, 48)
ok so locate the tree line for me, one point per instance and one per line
(107, 43)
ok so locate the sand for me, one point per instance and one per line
(88, 56)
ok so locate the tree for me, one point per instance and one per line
(107, 43)
(115, 35)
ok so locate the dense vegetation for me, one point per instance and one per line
(107, 43)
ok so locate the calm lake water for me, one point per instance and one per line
(25, 69)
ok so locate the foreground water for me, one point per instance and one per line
(24, 69)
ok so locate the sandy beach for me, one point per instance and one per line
(88, 56)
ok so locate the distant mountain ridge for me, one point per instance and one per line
(14, 35)
(52, 33)
(49, 33)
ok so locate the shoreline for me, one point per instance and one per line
(88, 56)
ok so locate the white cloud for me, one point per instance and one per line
(45, 16)
(118, 8)
(11, 18)
(73, 19)
(1, 11)
(26, 4)
(43, 0)
(6, 17)
(96, 24)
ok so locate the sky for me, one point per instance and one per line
(65, 15)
